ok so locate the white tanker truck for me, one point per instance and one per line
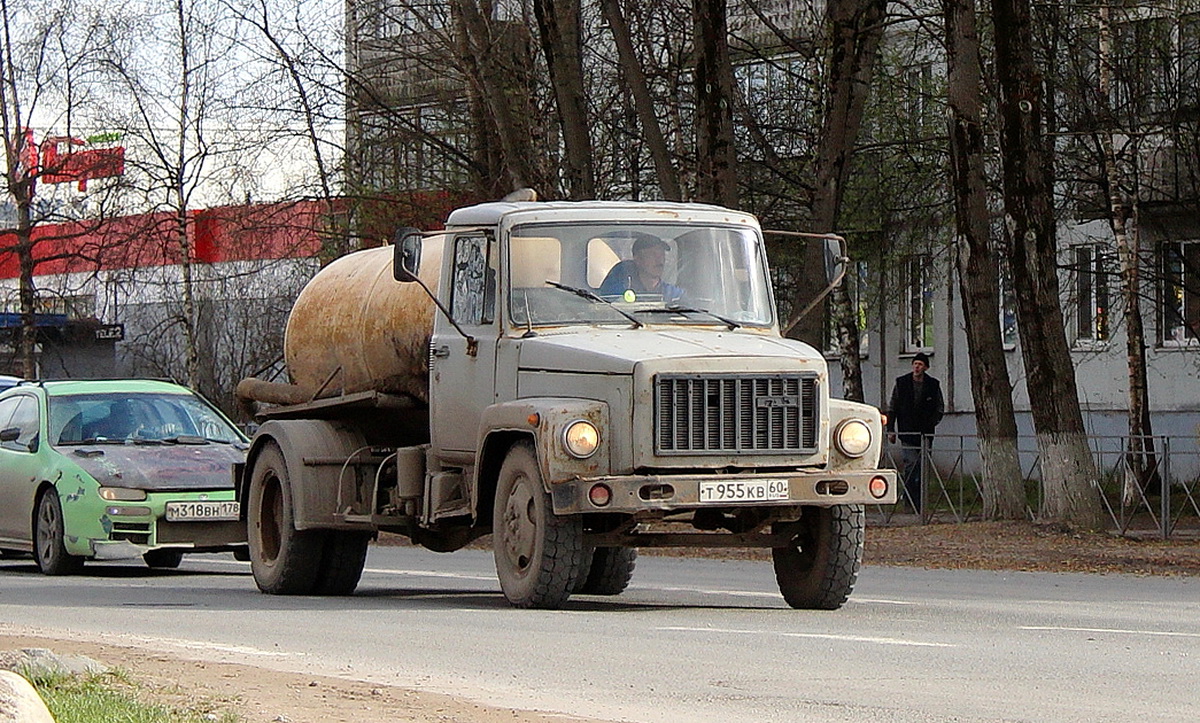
(577, 380)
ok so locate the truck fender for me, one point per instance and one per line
(314, 486)
(543, 421)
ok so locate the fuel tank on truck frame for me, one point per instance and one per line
(354, 328)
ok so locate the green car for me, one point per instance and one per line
(118, 469)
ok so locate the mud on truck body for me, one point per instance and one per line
(477, 381)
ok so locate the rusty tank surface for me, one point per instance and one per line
(354, 328)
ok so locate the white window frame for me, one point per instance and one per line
(1091, 294)
(1179, 294)
(918, 312)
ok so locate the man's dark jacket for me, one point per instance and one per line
(921, 417)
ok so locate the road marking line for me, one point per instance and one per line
(817, 636)
(1117, 631)
(198, 645)
(878, 601)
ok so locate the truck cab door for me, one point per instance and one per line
(462, 384)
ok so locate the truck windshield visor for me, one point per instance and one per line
(561, 274)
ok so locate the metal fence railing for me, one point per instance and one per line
(1147, 485)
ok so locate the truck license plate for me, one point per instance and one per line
(744, 490)
(202, 511)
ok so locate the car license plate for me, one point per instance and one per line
(202, 511)
(759, 490)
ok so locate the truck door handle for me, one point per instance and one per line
(442, 352)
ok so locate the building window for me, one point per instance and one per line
(1008, 306)
(1090, 268)
(1179, 301)
(918, 307)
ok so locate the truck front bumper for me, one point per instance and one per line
(678, 492)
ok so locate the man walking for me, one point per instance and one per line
(915, 410)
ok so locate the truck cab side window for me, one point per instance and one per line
(473, 298)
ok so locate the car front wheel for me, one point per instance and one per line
(49, 536)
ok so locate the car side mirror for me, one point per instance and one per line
(406, 261)
(10, 435)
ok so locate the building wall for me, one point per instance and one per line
(1101, 367)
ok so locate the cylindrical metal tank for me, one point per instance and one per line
(355, 328)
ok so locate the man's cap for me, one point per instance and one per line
(921, 357)
(646, 241)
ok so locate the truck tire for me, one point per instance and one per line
(284, 560)
(49, 538)
(342, 562)
(538, 554)
(609, 571)
(819, 569)
(164, 558)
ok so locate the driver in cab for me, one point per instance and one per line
(641, 275)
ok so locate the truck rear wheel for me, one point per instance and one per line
(538, 554)
(819, 569)
(284, 560)
(606, 571)
(342, 562)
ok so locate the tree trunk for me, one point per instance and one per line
(643, 103)
(1139, 449)
(1068, 469)
(1003, 489)
(855, 31)
(179, 190)
(499, 87)
(716, 157)
(560, 32)
(27, 291)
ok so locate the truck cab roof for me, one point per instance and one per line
(492, 213)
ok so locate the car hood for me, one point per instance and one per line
(608, 351)
(158, 467)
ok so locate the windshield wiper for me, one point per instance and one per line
(186, 439)
(591, 296)
(676, 309)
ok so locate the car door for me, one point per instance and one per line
(20, 466)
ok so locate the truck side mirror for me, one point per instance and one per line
(835, 259)
(406, 261)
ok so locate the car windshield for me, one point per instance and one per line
(656, 273)
(140, 417)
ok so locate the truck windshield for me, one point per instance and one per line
(659, 273)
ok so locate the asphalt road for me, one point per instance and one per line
(691, 640)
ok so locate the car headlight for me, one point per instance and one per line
(581, 439)
(122, 493)
(853, 437)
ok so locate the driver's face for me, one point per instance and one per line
(651, 261)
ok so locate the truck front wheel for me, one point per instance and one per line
(284, 560)
(538, 554)
(606, 571)
(818, 570)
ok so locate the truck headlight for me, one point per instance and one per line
(853, 437)
(581, 439)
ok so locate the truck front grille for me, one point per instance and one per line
(730, 413)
